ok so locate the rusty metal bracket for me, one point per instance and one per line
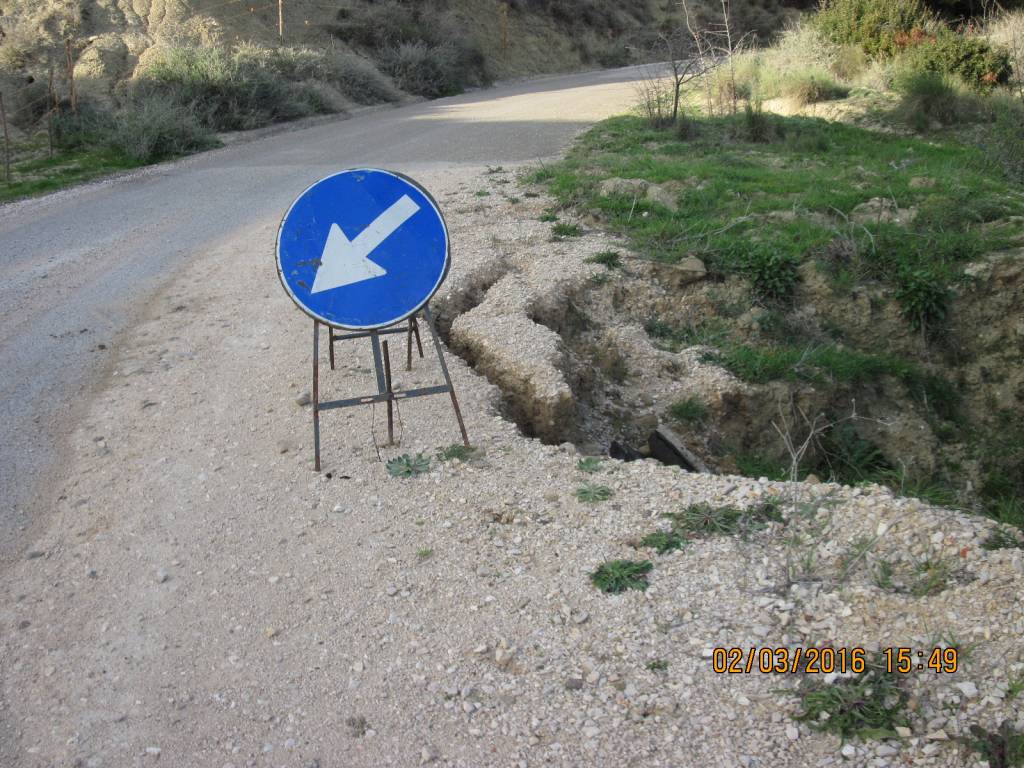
(382, 370)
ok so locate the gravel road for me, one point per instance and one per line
(76, 267)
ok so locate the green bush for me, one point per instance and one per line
(972, 59)
(772, 273)
(928, 97)
(227, 90)
(924, 298)
(156, 128)
(811, 86)
(881, 28)
(1005, 139)
(425, 70)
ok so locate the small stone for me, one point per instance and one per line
(580, 617)
(304, 399)
(155, 751)
(939, 735)
(591, 732)
(848, 750)
(270, 632)
(968, 689)
(391, 591)
(903, 731)
(274, 579)
(574, 684)
(338, 509)
(792, 733)
(34, 554)
(884, 750)
(162, 575)
(428, 755)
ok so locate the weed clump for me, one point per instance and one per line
(408, 466)
(868, 705)
(617, 576)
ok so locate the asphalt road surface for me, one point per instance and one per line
(75, 267)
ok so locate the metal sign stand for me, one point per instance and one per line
(382, 368)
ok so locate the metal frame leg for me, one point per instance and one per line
(316, 393)
(391, 398)
(447, 377)
(330, 339)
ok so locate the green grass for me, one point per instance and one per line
(44, 174)
(691, 410)
(562, 230)
(1002, 748)
(657, 665)
(591, 493)
(458, 451)
(482, 193)
(424, 554)
(1001, 538)
(547, 217)
(617, 576)
(708, 520)
(589, 464)
(663, 542)
(609, 259)
(408, 466)
(814, 167)
(869, 705)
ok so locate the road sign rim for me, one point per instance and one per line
(333, 324)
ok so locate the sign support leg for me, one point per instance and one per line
(447, 377)
(391, 397)
(330, 344)
(316, 393)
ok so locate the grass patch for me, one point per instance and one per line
(707, 520)
(657, 665)
(617, 576)
(591, 493)
(663, 542)
(458, 451)
(609, 259)
(562, 230)
(589, 464)
(1001, 538)
(1002, 748)
(408, 466)
(692, 410)
(424, 554)
(547, 217)
(869, 705)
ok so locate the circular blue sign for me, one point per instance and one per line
(362, 249)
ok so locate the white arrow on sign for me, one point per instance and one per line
(345, 262)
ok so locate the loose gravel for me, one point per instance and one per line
(203, 598)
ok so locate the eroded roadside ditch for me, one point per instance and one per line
(592, 345)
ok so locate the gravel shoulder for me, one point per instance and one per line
(201, 597)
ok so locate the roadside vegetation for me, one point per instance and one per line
(845, 191)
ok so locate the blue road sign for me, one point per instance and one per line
(362, 249)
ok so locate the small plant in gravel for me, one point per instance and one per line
(408, 466)
(617, 576)
(869, 705)
(562, 230)
(931, 577)
(589, 464)
(591, 492)
(424, 554)
(548, 217)
(657, 665)
(706, 520)
(689, 411)
(1001, 538)
(482, 193)
(663, 542)
(457, 451)
(1003, 748)
(609, 259)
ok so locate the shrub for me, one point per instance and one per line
(879, 27)
(1006, 31)
(31, 102)
(811, 86)
(424, 70)
(228, 90)
(773, 273)
(929, 97)
(156, 128)
(924, 298)
(1005, 138)
(972, 59)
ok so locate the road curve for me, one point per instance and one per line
(76, 266)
